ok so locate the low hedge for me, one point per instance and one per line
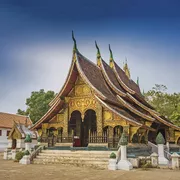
(19, 155)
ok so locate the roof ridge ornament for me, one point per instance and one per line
(111, 60)
(75, 47)
(98, 54)
(126, 69)
(137, 81)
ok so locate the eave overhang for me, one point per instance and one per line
(131, 121)
(135, 111)
(116, 88)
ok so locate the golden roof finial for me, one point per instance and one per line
(75, 47)
(137, 81)
(111, 60)
(98, 55)
(126, 69)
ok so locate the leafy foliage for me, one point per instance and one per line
(123, 140)
(165, 103)
(19, 155)
(28, 139)
(37, 104)
(26, 152)
(160, 139)
(112, 155)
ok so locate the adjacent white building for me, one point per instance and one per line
(6, 124)
(4, 132)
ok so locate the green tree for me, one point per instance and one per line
(166, 104)
(37, 104)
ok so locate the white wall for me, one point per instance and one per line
(3, 139)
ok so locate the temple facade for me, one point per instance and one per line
(97, 103)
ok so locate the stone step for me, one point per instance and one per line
(94, 159)
(95, 166)
(68, 161)
(75, 152)
(73, 158)
(75, 155)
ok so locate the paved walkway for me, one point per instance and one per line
(16, 171)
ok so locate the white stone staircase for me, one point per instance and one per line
(94, 159)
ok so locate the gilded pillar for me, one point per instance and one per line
(110, 132)
(171, 135)
(126, 130)
(132, 132)
(99, 119)
(44, 129)
(66, 121)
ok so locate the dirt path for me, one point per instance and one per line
(16, 171)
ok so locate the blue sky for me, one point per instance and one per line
(36, 44)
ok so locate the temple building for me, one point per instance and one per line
(7, 122)
(97, 103)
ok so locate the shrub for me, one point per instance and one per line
(146, 166)
(19, 156)
(28, 139)
(39, 139)
(26, 152)
(113, 155)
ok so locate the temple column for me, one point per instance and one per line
(126, 130)
(99, 120)
(44, 129)
(66, 121)
(110, 136)
(132, 132)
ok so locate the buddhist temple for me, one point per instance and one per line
(97, 103)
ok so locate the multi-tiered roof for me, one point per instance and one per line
(112, 88)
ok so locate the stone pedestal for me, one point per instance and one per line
(134, 161)
(124, 164)
(25, 160)
(154, 159)
(118, 155)
(13, 153)
(5, 154)
(9, 143)
(39, 143)
(112, 164)
(175, 161)
(162, 160)
(28, 146)
(167, 145)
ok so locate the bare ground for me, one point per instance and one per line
(15, 171)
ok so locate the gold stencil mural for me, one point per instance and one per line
(107, 115)
(60, 117)
(81, 104)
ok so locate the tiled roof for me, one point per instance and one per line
(106, 84)
(131, 85)
(7, 120)
(95, 77)
(112, 76)
(25, 130)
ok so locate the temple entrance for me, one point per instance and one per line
(81, 130)
(75, 128)
(51, 137)
(90, 126)
(14, 142)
